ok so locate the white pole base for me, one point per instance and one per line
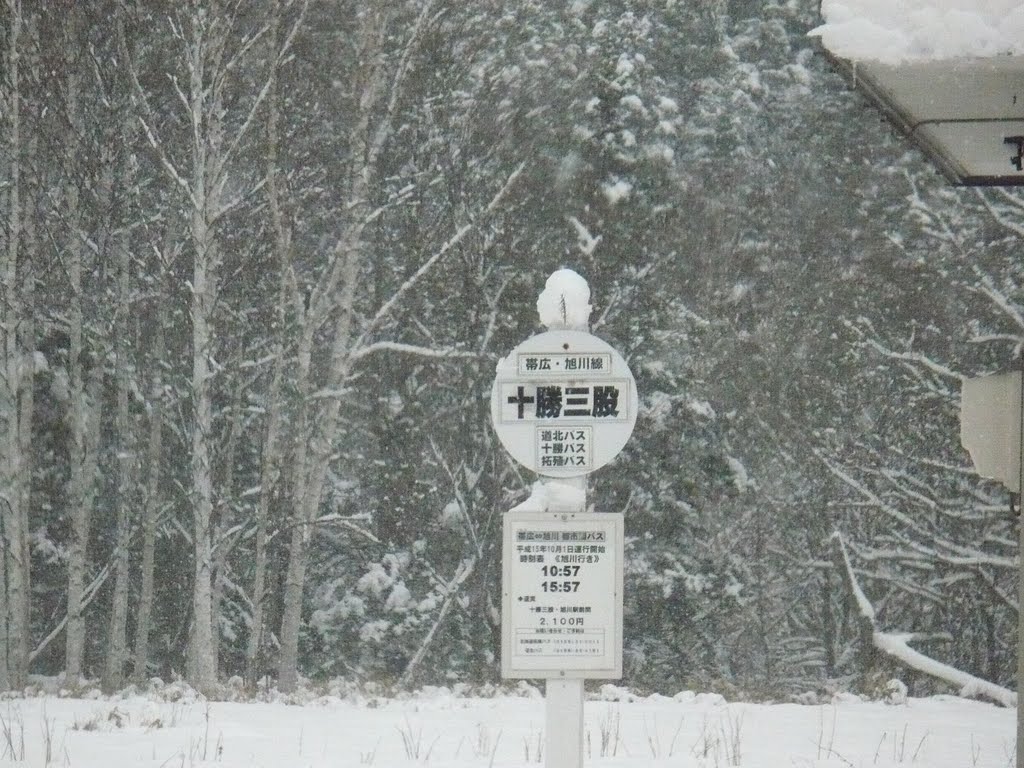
(563, 732)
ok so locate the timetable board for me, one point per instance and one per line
(562, 595)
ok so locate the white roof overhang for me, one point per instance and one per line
(966, 114)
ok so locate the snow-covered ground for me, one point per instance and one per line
(175, 728)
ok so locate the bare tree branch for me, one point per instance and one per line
(453, 241)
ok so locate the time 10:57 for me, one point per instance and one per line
(567, 571)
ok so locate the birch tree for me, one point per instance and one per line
(117, 651)
(151, 501)
(82, 408)
(16, 327)
(212, 44)
(387, 44)
(377, 81)
(272, 448)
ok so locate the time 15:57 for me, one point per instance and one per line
(560, 586)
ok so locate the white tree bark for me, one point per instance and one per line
(150, 504)
(227, 533)
(270, 472)
(271, 458)
(16, 366)
(211, 61)
(201, 672)
(333, 300)
(5, 676)
(204, 119)
(117, 651)
(82, 479)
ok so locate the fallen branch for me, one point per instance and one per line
(895, 644)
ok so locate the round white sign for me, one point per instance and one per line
(564, 403)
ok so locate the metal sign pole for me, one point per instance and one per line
(1020, 578)
(563, 723)
(563, 698)
(1020, 638)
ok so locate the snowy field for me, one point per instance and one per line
(435, 728)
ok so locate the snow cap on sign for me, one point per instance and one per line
(565, 301)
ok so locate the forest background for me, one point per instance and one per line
(260, 259)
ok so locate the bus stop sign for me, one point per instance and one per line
(564, 403)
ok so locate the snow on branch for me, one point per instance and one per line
(940, 548)
(351, 523)
(1001, 300)
(165, 161)
(914, 357)
(902, 483)
(864, 607)
(990, 338)
(870, 496)
(280, 57)
(1012, 199)
(1005, 223)
(914, 362)
(411, 349)
(896, 644)
(139, 98)
(384, 127)
(459, 497)
(963, 557)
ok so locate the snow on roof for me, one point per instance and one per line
(895, 31)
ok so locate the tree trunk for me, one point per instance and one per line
(225, 540)
(23, 601)
(291, 614)
(314, 461)
(5, 676)
(80, 511)
(270, 464)
(204, 116)
(337, 297)
(216, 54)
(150, 506)
(16, 367)
(201, 672)
(81, 480)
(113, 673)
(828, 624)
(269, 474)
(869, 660)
